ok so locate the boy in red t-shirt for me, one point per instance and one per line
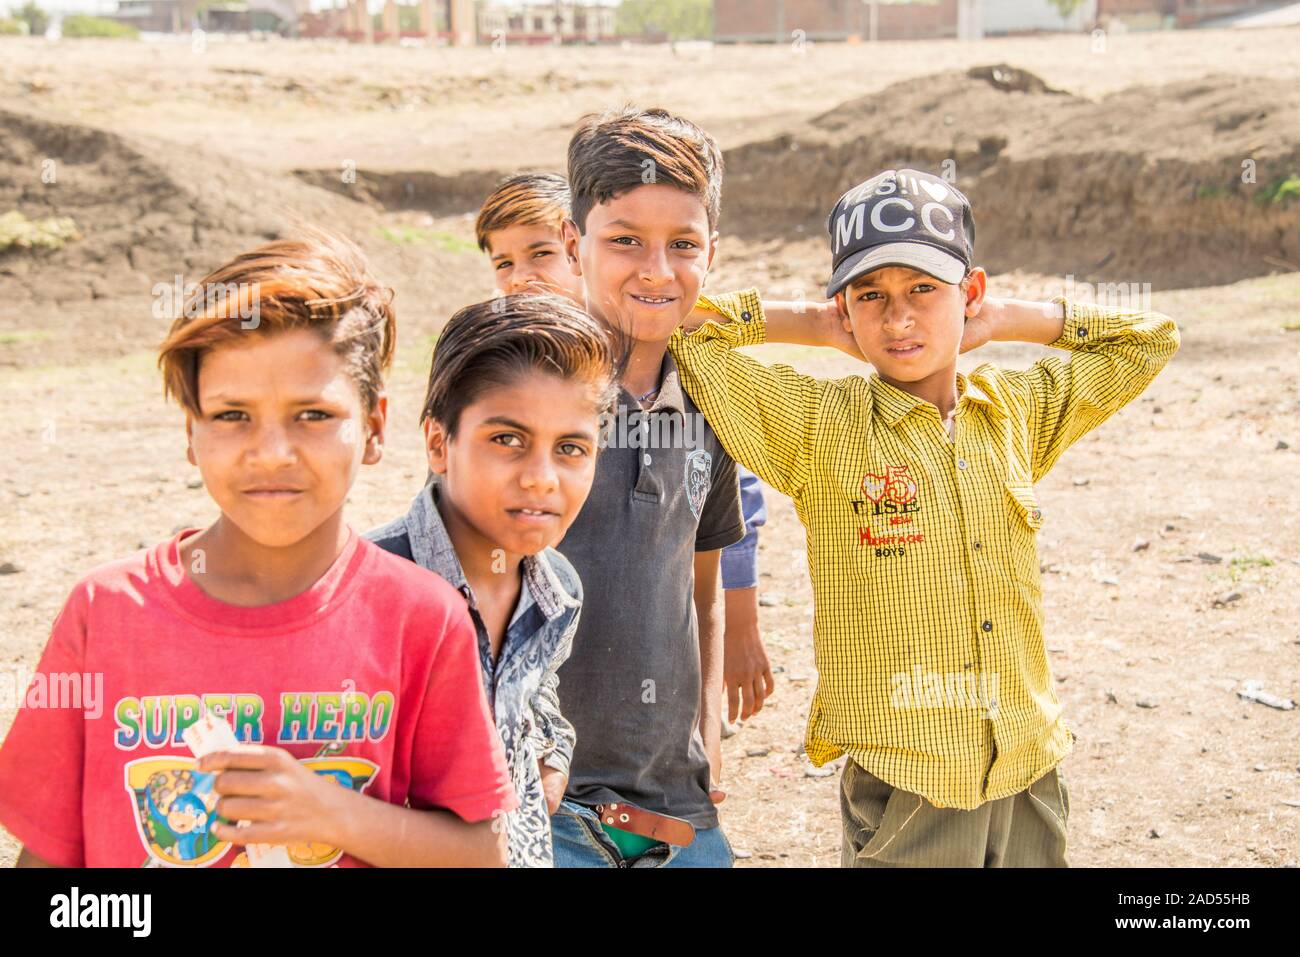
(346, 673)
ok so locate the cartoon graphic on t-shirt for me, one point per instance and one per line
(174, 807)
(175, 804)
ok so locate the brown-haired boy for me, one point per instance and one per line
(518, 226)
(512, 419)
(350, 677)
(643, 684)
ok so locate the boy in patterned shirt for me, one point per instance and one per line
(916, 487)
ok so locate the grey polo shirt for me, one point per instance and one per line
(664, 489)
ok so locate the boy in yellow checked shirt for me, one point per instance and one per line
(916, 487)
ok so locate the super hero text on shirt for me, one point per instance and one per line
(158, 721)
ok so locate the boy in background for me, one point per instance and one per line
(916, 487)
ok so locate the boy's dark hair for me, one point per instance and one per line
(493, 343)
(529, 199)
(318, 281)
(613, 152)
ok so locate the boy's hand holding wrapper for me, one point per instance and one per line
(217, 749)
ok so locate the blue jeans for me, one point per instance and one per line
(580, 841)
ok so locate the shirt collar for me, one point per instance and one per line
(893, 404)
(670, 397)
(973, 389)
(431, 548)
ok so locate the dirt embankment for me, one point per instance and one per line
(147, 212)
(1151, 184)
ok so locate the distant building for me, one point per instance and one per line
(545, 22)
(782, 21)
(776, 21)
(158, 16)
(182, 16)
(1157, 14)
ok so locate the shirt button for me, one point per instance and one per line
(961, 463)
(647, 458)
(977, 546)
(1082, 332)
(745, 315)
(987, 626)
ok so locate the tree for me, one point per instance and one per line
(1066, 7)
(678, 19)
(36, 19)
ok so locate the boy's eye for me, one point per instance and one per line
(685, 244)
(923, 287)
(623, 240)
(230, 415)
(863, 297)
(542, 252)
(316, 415)
(504, 264)
(508, 439)
(573, 449)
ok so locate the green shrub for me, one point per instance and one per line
(17, 231)
(82, 25)
(10, 28)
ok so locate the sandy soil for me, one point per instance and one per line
(170, 160)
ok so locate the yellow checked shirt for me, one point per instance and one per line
(928, 618)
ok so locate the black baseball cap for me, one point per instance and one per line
(901, 217)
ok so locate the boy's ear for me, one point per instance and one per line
(569, 237)
(842, 307)
(713, 249)
(975, 290)
(376, 419)
(189, 439)
(435, 445)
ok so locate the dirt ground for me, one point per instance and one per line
(171, 159)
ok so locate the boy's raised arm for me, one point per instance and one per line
(1117, 354)
(765, 416)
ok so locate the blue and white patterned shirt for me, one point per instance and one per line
(522, 686)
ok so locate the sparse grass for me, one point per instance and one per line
(1280, 190)
(1241, 566)
(421, 236)
(17, 231)
(13, 337)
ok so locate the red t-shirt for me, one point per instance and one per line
(371, 676)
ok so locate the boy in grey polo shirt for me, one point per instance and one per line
(643, 684)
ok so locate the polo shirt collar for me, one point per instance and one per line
(431, 548)
(670, 397)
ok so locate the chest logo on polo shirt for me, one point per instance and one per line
(699, 476)
(890, 504)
